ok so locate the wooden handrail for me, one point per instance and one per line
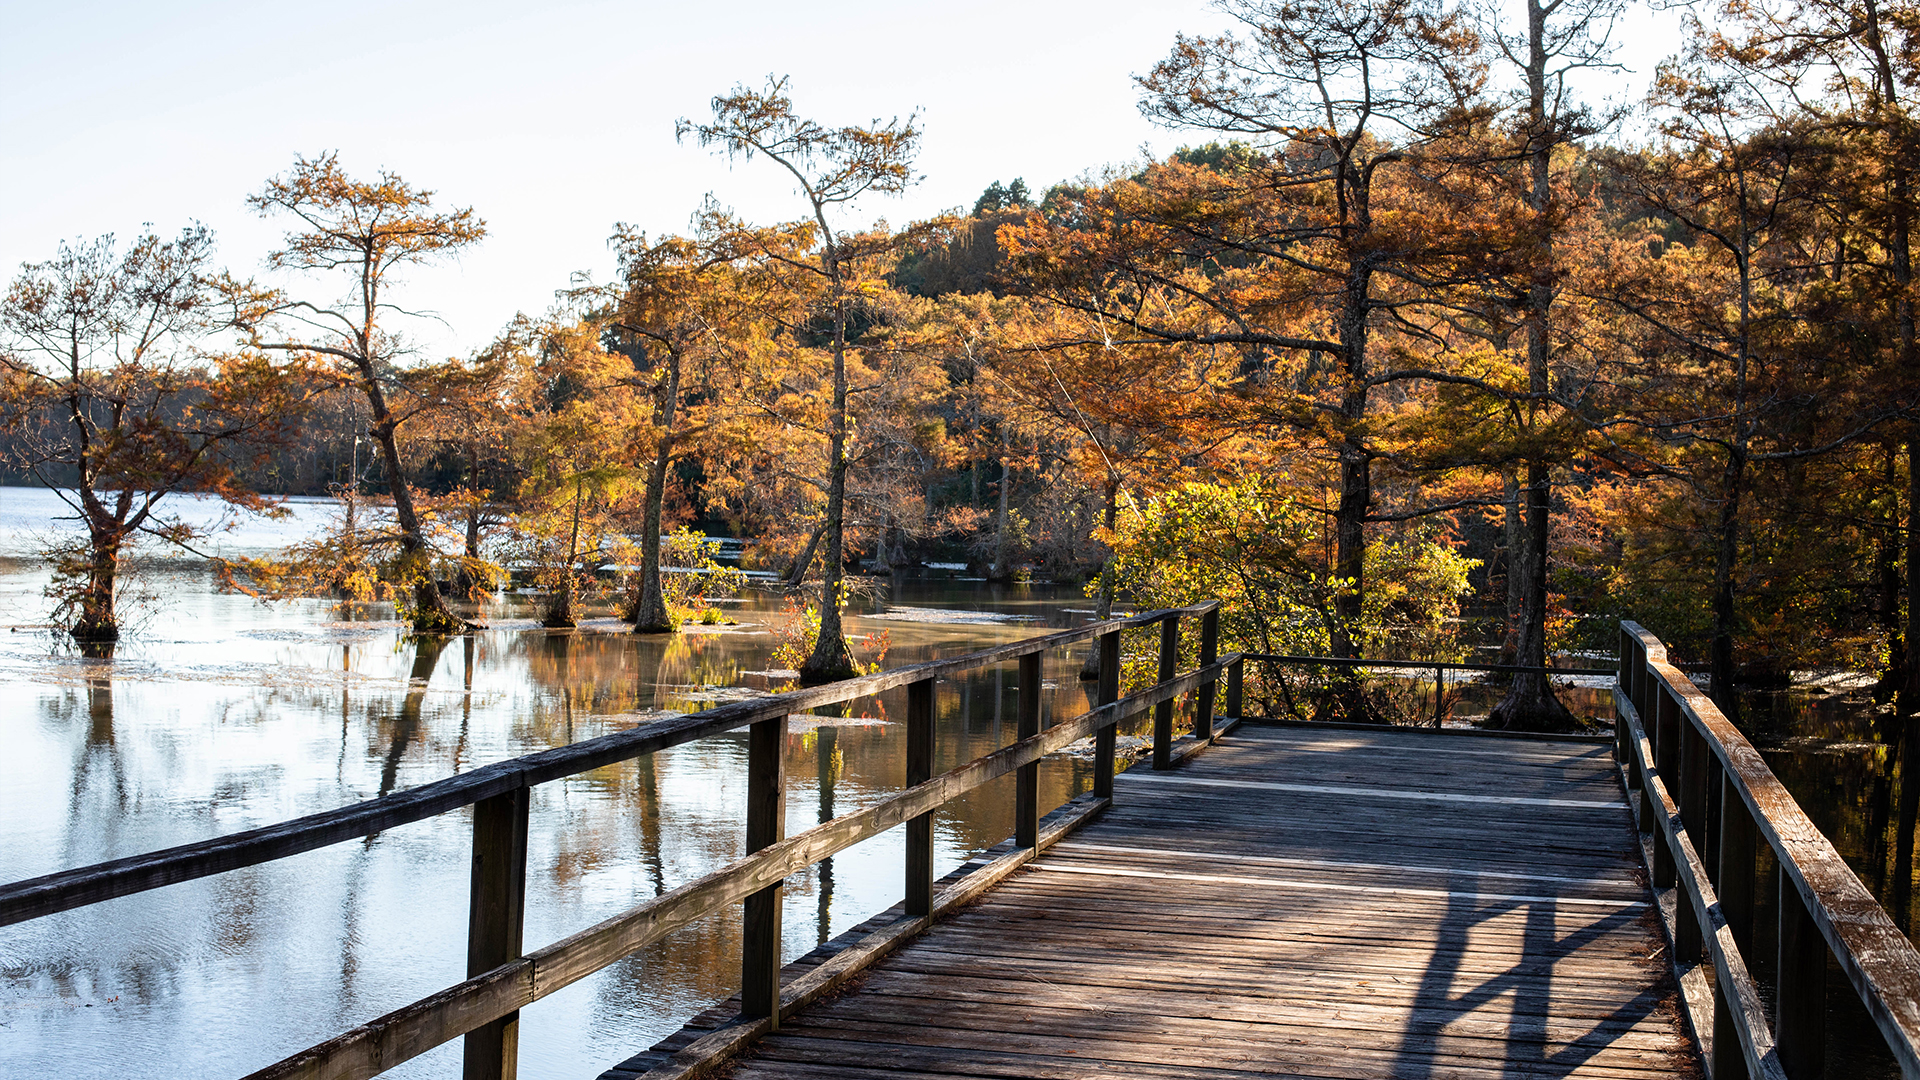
(413, 1029)
(1438, 667)
(1672, 740)
(1422, 665)
(485, 1007)
(69, 889)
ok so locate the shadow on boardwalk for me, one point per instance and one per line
(1298, 902)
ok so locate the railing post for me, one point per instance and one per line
(1163, 712)
(1646, 686)
(1439, 695)
(1026, 800)
(1636, 679)
(1666, 741)
(920, 770)
(1625, 678)
(1650, 817)
(1103, 736)
(1737, 856)
(1689, 789)
(1688, 947)
(1636, 778)
(1622, 751)
(1800, 1010)
(1729, 1057)
(496, 916)
(766, 824)
(1209, 652)
(1692, 788)
(1235, 683)
(1666, 762)
(1711, 823)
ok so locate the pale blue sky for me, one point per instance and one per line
(552, 120)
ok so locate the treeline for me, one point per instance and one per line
(1411, 327)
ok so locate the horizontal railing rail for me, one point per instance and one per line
(1686, 766)
(385, 1042)
(1438, 667)
(503, 978)
(1423, 665)
(68, 889)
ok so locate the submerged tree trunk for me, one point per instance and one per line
(560, 605)
(1000, 571)
(465, 580)
(428, 610)
(1908, 814)
(832, 659)
(98, 622)
(889, 552)
(109, 526)
(653, 616)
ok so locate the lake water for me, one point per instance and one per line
(219, 714)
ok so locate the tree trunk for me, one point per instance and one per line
(1350, 549)
(891, 553)
(1530, 704)
(1908, 814)
(1720, 685)
(1900, 259)
(1732, 487)
(1346, 697)
(98, 623)
(832, 659)
(1909, 701)
(797, 573)
(653, 617)
(428, 612)
(1887, 555)
(465, 580)
(1516, 575)
(1103, 594)
(1000, 571)
(560, 606)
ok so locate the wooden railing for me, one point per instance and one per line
(1687, 766)
(503, 978)
(1438, 667)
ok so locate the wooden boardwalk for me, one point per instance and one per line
(1297, 902)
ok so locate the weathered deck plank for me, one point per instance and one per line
(1295, 903)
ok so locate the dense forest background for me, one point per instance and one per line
(1408, 331)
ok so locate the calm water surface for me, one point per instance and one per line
(220, 714)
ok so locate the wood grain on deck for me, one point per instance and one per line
(1297, 902)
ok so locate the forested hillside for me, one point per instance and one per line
(1409, 329)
